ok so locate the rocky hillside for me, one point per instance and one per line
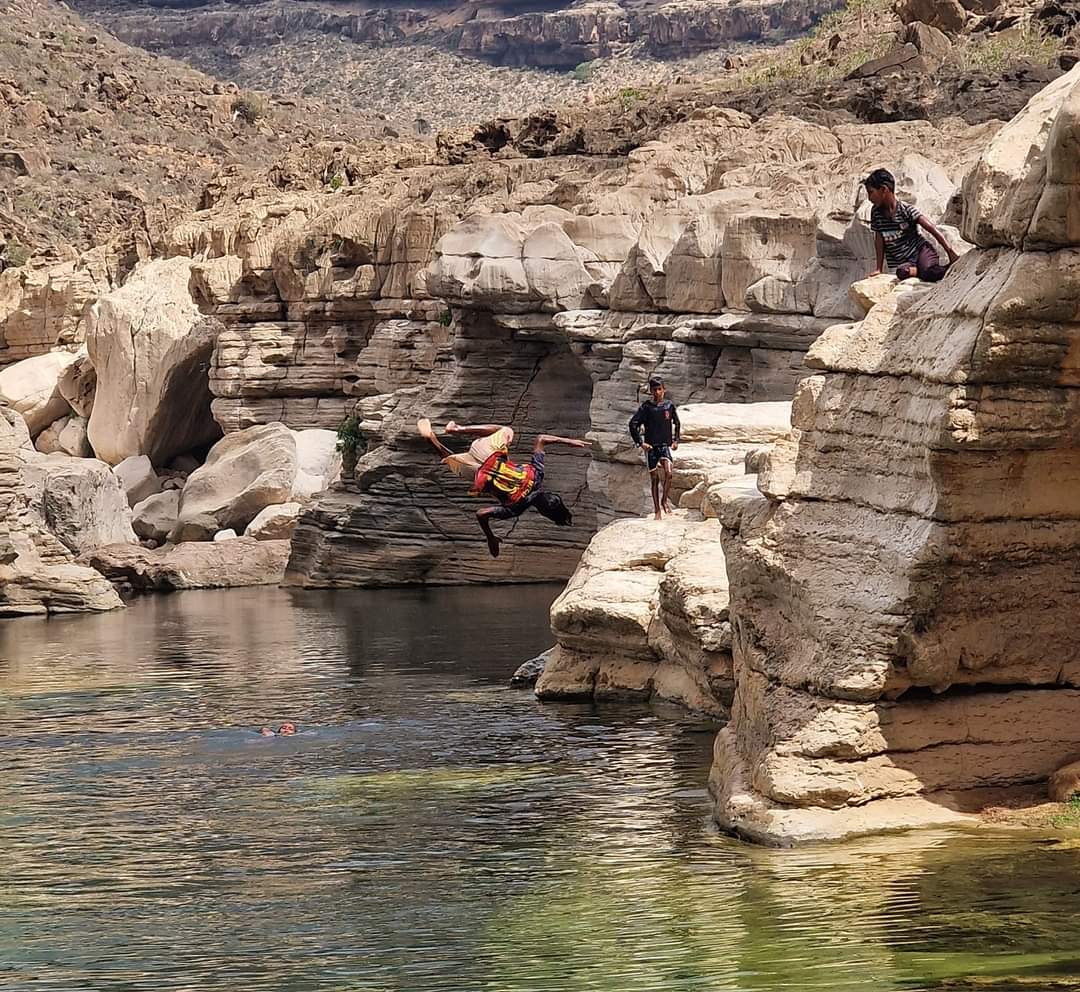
(98, 139)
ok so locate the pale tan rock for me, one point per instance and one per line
(30, 388)
(74, 440)
(244, 472)
(318, 462)
(867, 293)
(765, 253)
(155, 516)
(80, 501)
(42, 309)
(151, 349)
(206, 565)
(274, 523)
(78, 385)
(1008, 186)
(38, 574)
(137, 478)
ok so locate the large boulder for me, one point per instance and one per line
(946, 15)
(209, 565)
(154, 517)
(151, 348)
(318, 462)
(31, 388)
(244, 473)
(38, 575)
(137, 478)
(274, 523)
(78, 384)
(80, 501)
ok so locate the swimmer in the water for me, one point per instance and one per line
(285, 730)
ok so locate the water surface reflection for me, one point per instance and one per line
(430, 829)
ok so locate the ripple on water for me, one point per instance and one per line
(430, 829)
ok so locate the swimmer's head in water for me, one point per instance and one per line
(265, 732)
(287, 728)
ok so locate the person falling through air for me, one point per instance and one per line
(660, 420)
(516, 487)
(896, 233)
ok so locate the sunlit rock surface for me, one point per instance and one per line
(903, 590)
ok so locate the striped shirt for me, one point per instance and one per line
(899, 232)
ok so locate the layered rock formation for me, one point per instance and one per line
(519, 35)
(903, 588)
(645, 615)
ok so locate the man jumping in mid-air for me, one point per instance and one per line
(516, 487)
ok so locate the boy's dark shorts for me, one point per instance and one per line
(658, 453)
(510, 510)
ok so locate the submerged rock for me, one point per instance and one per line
(526, 674)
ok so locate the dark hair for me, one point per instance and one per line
(655, 381)
(880, 178)
(551, 506)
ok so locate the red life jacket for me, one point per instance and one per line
(507, 481)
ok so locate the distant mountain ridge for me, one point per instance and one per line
(527, 34)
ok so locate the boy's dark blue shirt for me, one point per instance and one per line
(660, 420)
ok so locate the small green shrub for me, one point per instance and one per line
(250, 107)
(629, 96)
(446, 318)
(15, 254)
(1069, 817)
(995, 53)
(337, 182)
(584, 71)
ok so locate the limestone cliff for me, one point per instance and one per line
(903, 590)
(567, 280)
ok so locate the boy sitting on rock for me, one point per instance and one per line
(896, 233)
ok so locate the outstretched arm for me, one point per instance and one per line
(545, 439)
(473, 430)
(928, 225)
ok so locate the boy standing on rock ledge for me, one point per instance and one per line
(896, 233)
(660, 420)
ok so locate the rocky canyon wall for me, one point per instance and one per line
(903, 587)
(502, 34)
